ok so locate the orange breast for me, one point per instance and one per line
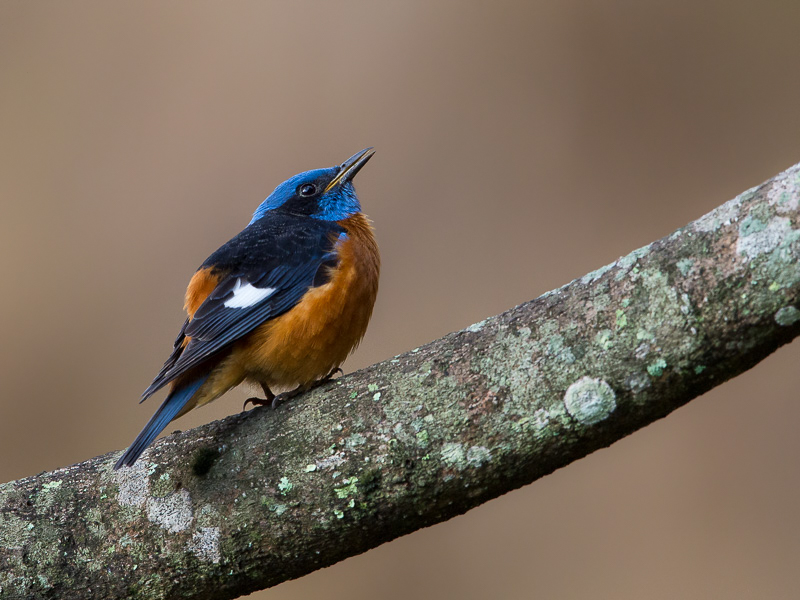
(316, 335)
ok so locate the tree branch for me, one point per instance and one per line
(258, 498)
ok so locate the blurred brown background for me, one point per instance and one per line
(519, 145)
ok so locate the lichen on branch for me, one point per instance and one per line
(258, 498)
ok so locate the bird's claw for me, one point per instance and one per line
(283, 397)
(276, 401)
(256, 402)
(279, 399)
(332, 374)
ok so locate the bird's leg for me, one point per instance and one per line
(281, 398)
(334, 372)
(270, 398)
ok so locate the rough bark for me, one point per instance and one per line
(258, 498)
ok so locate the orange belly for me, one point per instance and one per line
(318, 334)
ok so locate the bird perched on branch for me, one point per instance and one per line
(282, 304)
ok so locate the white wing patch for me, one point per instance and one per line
(247, 295)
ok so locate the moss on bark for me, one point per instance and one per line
(255, 499)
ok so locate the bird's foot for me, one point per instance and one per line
(283, 397)
(270, 398)
(330, 376)
(257, 402)
(275, 401)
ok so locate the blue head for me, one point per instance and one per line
(326, 194)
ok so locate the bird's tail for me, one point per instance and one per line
(169, 409)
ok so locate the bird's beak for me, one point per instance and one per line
(350, 167)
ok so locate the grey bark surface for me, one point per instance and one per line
(245, 503)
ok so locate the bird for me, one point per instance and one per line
(281, 304)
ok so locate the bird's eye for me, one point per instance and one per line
(308, 189)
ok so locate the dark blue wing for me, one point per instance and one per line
(267, 270)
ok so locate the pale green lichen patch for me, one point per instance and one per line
(453, 455)
(285, 486)
(685, 265)
(547, 328)
(476, 327)
(478, 455)
(628, 261)
(751, 225)
(207, 516)
(348, 489)
(622, 319)
(94, 523)
(406, 411)
(723, 215)
(786, 316)
(14, 532)
(780, 266)
(423, 438)
(656, 369)
(637, 382)
(51, 485)
(642, 335)
(557, 348)
(162, 486)
(603, 339)
(409, 400)
(668, 314)
(590, 400)
(133, 484)
(601, 301)
(205, 544)
(541, 417)
(514, 374)
(757, 237)
(173, 513)
(597, 274)
(354, 440)
(784, 192)
(52, 493)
